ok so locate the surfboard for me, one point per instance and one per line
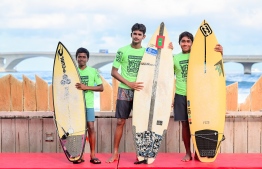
(152, 104)
(206, 94)
(69, 105)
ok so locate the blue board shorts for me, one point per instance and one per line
(90, 114)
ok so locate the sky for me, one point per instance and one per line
(38, 25)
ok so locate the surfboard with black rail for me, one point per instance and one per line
(206, 94)
(69, 105)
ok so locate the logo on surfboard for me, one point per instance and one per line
(151, 51)
(219, 67)
(206, 30)
(160, 41)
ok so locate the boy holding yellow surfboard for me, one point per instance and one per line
(180, 102)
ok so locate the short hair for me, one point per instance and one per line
(82, 50)
(139, 27)
(187, 34)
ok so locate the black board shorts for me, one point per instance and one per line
(124, 103)
(180, 108)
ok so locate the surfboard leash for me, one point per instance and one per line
(66, 134)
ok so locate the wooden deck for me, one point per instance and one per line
(35, 132)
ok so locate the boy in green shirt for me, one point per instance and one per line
(90, 82)
(129, 58)
(180, 102)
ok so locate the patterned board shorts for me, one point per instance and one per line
(124, 103)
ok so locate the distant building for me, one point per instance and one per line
(103, 50)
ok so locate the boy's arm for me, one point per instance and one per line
(133, 85)
(98, 88)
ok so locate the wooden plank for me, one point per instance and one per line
(58, 145)
(172, 138)
(128, 137)
(0, 135)
(5, 93)
(232, 97)
(29, 94)
(246, 105)
(122, 141)
(50, 98)
(227, 146)
(36, 135)
(41, 88)
(49, 131)
(16, 94)
(240, 135)
(115, 84)
(254, 134)
(25, 114)
(162, 148)
(106, 97)
(104, 132)
(256, 95)
(8, 135)
(22, 135)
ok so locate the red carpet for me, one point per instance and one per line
(126, 161)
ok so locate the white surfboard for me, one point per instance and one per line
(152, 105)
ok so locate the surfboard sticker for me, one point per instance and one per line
(69, 105)
(206, 29)
(151, 51)
(160, 41)
(219, 67)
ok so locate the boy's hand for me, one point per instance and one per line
(80, 86)
(170, 46)
(219, 48)
(136, 85)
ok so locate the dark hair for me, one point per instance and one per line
(139, 27)
(82, 50)
(187, 34)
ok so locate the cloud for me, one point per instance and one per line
(38, 25)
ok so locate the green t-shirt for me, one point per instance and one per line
(129, 59)
(180, 69)
(90, 77)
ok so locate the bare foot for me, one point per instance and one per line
(186, 158)
(113, 158)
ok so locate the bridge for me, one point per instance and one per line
(8, 61)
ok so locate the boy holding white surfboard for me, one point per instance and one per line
(128, 58)
(180, 101)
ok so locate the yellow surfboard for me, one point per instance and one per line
(69, 105)
(152, 104)
(206, 94)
